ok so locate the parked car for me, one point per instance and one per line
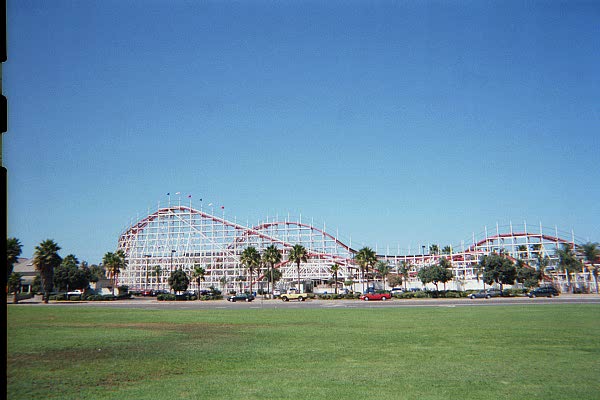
(240, 297)
(375, 296)
(486, 294)
(545, 291)
(293, 295)
(396, 290)
(76, 292)
(148, 292)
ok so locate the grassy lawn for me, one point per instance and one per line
(504, 352)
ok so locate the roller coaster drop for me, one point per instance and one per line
(179, 236)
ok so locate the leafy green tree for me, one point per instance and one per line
(568, 262)
(198, 275)
(435, 274)
(365, 258)
(526, 275)
(14, 285)
(499, 269)
(384, 270)
(250, 258)
(68, 275)
(298, 254)
(334, 269)
(13, 251)
(446, 271)
(45, 260)
(591, 253)
(271, 257)
(70, 260)
(425, 274)
(62, 275)
(179, 281)
(395, 280)
(114, 263)
(96, 272)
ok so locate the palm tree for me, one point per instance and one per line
(522, 251)
(114, 263)
(298, 254)
(45, 259)
(13, 251)
(365, 258)
(591, 253)
(223, 281)
(156, 271)
(250, 258)
(537, 249)
(384, 270)
(434, 249)
(14, 285)
(109, 264)
(543, 262)
(334, 270)
(478, 269)
(447, 250)
(404, 271)
(270, 257)
(198, 274)
(568, 262)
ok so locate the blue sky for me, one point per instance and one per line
(396, 123)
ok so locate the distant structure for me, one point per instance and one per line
(179, 236)
(25, 267)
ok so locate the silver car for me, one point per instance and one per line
(486, 294)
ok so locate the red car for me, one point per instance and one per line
(375, 296)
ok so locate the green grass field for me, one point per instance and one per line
(504, 352)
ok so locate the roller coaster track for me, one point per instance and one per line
(323, 248)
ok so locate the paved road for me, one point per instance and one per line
(152, 303)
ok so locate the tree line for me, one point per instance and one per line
(56, 273)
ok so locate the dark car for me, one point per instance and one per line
(240, 297)
(486, 294)
(546, 291)
(148, 292)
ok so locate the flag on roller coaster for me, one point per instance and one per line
(190, 196)
(168, 194)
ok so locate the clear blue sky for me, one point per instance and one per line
(395, 122)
